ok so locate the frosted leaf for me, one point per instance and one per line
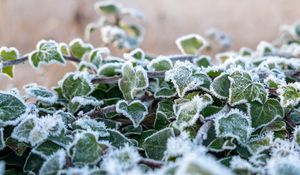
(78, 48)
(156, 144)
(220, 86)
(161, 121)
(2, 141)
(265, 48)
(191, 44)
(178, 146)
(96, 55)
(246, 52)
(265, 113)
(166, 107)
(76, 84)
(202, 61)
(234, 124)
(243, 89)
(239, 164)
(223, 57)
(86, 149)
(107, 7)
(87, 100)
(260, 143)
(78, 171)
(110, 69)
(194, 163)
(46, 149)
(132, 80)
(289, 94)
(11, 108)
(136, 111)
(187, 113)
(47, 52)
(185, 78)
(117, 139)
(297, 135)
(160, 63)
(64, 49)
(284, 165)
(54, 163)
(112, 33)
(8, 54)
(135, 55)
(40, 93)
(221, 144)
(37, 135)
(166, 90)
(91, 124)
(283, 148)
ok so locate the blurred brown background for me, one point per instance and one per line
(24, 23)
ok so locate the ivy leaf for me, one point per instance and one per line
(221, 144)
(18, 147)
(160, 63)
(243, 89)
(260, 143)
(136, 111)
(220, 86)
(202, 61)
(107, 7)
(96, 56)
(234, 124)
(166, 107)
(190, 44)
(78, 48)
(46, 52)
(76, 84)
(156, 144)
(33, 163)
(289, 94)
(11, 108)
(185, 78)
(86, 149)
(187, 113)
(132, 80)
(263, 114)
(8, 54)
(46, 149)
(135, 55)
(117, 139)
(40, 93)
(54, 163)
(166, 90)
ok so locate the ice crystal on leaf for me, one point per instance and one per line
(40, 93)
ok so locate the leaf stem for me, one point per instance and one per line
(151, 163)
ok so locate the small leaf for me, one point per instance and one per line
(136, 111)
(132, 80)
(260, 143)
(64, 49)
(220, 86)
(96, 55)
(76, 84)
(46, 52)
(8, 54)
(185, 78)
(54, 163)
(263, 114)
(160, 63)
(11, 108)
(117, 139)
(136, 54)
(202, 61)
(46, 149)
(41, 93)
(166, 90)
(86, 149)
(190, 44)
(156, 144)
(78, 48)
(18, 147)
(161, 121)
(107, 7)
(289, 94)
(243, 89)
(233, 124)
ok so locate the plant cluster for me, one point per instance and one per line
(165, 115)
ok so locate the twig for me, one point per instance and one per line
(151, 163)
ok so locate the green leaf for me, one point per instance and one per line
(40, 93)
(76, 84)
(11, 108)
(166, 90)
(33, 163)
(233, 124)
(221, 144)
(260, 143)
(96, 55)
(78, 48)
(220, 86)
(297, 135)
(190, 44)
(156, 144)
(8, 54)
(132, 80)
(243, 89)
(135, 55)
(18, 147)
(117, 139)
(202, 61)
(187, 113)
(107, 7)
(289, 94)
(166, 107)
(64, 49)
(46, 52)
(160, 63)
(54, 163)
(263, 114)
(110, 69)
(46, 148)
(161, 121)
(86, 149)
(136, 111)
(185, 78)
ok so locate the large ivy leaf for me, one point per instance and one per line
(76, 84)
(41, 93)
(220, 86)
(156, 144)
(136, 111)
(243, 89)
(54, 163)
(263, 114)
(160, 63)
(132, 80)
(8, 54)
(11, 107)
(185, 78)
(46, 52)
(86, 149)
(187, 113)
(233, 124)
(289, 94)
(78, 48)
(190, 44)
